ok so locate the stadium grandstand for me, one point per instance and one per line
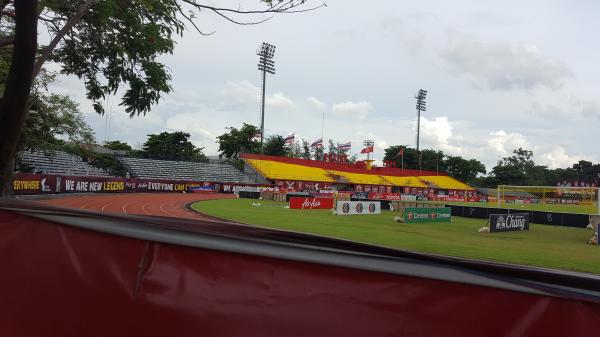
(183, 170)
(292, 169)
(59, 162)
(63, 163)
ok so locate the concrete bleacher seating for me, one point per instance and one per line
(182, 170)
(59, 162)
(284, 171)
(445, 182)
(408, 181)
(365, 179)
(294, 169)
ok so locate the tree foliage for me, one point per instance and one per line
(466, 170)
(109, 44)
(317, 153)
(520, 169)
(52, 120)
(117, 43)
(237, 141)
(14, 103)
(462, 169)
(305, 149)
(294, 150)
(275, 146)
(117, 146)
(104, 161)
(172, 146)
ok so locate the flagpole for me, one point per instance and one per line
(323, 126)
(322, 135)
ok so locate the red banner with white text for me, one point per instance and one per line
(311, 203)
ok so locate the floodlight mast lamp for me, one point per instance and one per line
(266, 65)
(421, 106)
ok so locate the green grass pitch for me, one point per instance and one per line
(543, 245)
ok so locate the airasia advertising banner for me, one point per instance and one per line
(311, 203)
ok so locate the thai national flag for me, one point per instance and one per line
(368, 149)
(317, 143)
(289, 139)
(344, 147)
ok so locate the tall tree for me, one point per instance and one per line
(317, 153)
(13, 106)
(294, 150)
(172, 146)
(431, 160)
(518, 169)
(117, 145)
(106, 44)
(463, 169)
(305, 149)
(411, 157)
(51, 120)
(275, 146)
(237, 141)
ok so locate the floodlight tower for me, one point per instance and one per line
(266, 65)
(369, 143)
(421, 106)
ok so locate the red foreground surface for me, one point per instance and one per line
(60, 280)
(157, 204)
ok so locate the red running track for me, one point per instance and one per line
(157, 204)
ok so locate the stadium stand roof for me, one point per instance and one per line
(284, 171)
(445, 182)
(284, 168)
(384, 171)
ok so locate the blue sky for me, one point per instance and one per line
(500, 75)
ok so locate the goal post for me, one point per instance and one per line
(550, 198)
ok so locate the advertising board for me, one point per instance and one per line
(441, 214)
(358, 207)
(311, 203)
(509, 222)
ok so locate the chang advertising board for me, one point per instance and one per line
(509, 222)
(358, 207)
(311, 203)
(441, 214)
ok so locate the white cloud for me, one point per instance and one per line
(317, 104)
(278, 100)
(504, 143)
(558, 157)
(242, 92)
(248, 95)
(437, 131)
(353, 110)
(502, 65)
